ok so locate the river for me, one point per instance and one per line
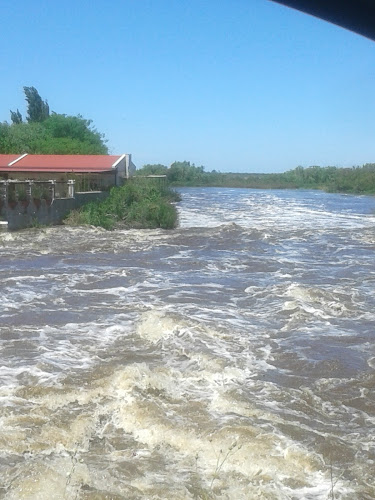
(231, 358)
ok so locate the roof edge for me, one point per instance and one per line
(118, 160)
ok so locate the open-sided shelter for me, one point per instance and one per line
(90, 171)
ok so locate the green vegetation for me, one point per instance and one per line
(358, 180)
(46, 133)
(21, 194)
(40, 191)
(37, 109)
(138, 204)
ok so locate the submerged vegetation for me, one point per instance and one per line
(138, 204)
(358, 180)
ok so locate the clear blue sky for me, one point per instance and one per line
(234, 85)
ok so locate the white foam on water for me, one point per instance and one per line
(317, 302)
(176, 415)
(239, 449)
(260, 210)
(12, 301)
(154, 325)
(20, 278)
(9, 375)
(51, 481)
(75, 344)
(45, 355)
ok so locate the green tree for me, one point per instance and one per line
(16, 117)
(22, 138)
(152, 169)
(74, 133)
(45, 134)
(42, 138)
(37, 109)
(182, 172)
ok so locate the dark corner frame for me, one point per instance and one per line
(354, 15)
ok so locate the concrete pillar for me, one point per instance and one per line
(52, 189)
(71, 183)
(4, 191)
(28, 187)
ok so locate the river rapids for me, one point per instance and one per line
(230, 358)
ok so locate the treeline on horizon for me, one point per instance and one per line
(356, 180)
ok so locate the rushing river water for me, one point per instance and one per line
(232, 358)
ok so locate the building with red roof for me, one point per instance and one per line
(96, 171)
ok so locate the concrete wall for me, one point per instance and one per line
(28, 214)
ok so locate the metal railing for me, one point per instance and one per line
(15, 191)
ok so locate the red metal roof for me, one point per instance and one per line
(60, 163)
(6, 159)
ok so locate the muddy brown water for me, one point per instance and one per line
(231, 358)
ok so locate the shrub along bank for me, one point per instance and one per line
(134, 205)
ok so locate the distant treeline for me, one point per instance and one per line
(333, 179)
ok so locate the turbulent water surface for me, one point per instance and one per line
(231, 358)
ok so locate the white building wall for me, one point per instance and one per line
(125, 168)
(130, 167)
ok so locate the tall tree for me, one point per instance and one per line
(37, 109)
(16, 117)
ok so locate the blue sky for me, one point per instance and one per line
(235, 85)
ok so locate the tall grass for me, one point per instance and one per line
(140, 204)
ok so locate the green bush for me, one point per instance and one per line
(151, 213)
(134, 205)
(21, 193)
